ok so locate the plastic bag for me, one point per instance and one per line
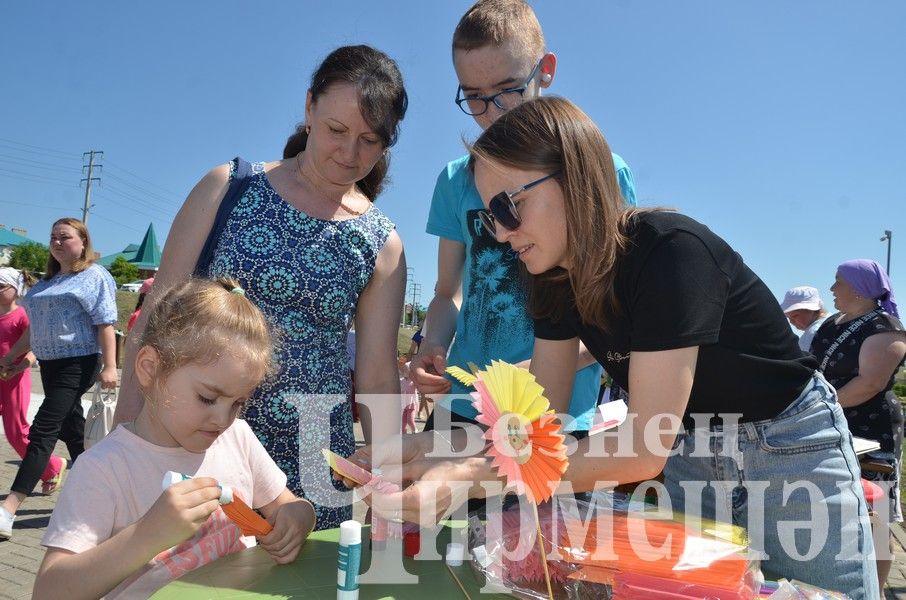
(595, 551)
(99, 420)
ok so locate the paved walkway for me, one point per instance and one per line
(21, 555)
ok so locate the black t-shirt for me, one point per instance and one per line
(880, 418)
(679, 285)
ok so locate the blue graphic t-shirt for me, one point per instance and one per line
(493, 322)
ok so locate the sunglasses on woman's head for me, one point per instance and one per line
(502, 209)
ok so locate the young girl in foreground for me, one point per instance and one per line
(113, 533)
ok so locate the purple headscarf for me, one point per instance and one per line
(869, 280)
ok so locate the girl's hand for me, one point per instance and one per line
(108, 377)
(179, 512)
(292, 523)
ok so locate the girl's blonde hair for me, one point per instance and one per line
(201, 319)
(551, 134)
(87, 258)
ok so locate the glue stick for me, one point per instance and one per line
(349, 560)
(171, 477)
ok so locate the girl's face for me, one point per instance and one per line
(8, 295)
(845, 297)
(341, 148)
(66, 245)
(196, 402)
(541, 238)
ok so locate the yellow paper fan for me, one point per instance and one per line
(462, 376)
(515, 390)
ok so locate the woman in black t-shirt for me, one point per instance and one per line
(860, 350)
(678, 319)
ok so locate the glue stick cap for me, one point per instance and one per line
(455, 553)
(350, 533)
(171, 477)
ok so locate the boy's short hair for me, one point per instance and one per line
(496, 21)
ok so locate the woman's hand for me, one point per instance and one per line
(108, 377)
(444, 486)
(179, 512)
(292, 523)
(400, 458)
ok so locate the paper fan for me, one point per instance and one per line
(526, 444)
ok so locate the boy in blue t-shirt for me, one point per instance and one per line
(479, 295)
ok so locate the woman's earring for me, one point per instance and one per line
(546, 77)
(307, 129)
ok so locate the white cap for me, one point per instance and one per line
(454, 554)
(350, 533)
(171, 477)
(802, 298)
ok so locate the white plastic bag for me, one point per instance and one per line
(99, 420)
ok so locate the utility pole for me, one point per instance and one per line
(410, 275)
(888, 236)
(416, 295)
(91, 154)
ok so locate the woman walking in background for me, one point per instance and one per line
(860, 350)
(71, 312)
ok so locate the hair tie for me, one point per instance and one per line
(238, 290)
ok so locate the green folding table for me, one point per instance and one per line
(252, 574)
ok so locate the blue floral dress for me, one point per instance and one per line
(306, 275)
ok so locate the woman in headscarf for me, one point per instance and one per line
(860, 349)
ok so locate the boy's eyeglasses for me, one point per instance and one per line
(505, 100)
(502, 209)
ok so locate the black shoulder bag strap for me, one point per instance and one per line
(238, 184)
(853, 327)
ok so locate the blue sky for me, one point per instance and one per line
(778, 124)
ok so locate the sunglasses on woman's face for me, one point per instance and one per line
(502, 209)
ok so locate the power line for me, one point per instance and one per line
(33, 205)
(141, 201)
(35, 178)
(147, 194)
(27, 163)
(38, 149)
(103, 218)
(140, 178)
(123, 202)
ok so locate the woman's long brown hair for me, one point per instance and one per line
(552, 134)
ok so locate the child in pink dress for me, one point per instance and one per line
(409, 396)
(15, 384)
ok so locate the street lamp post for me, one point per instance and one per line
(888, 237)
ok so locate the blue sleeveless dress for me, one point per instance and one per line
(306, 275)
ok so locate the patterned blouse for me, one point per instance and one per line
(66, 309)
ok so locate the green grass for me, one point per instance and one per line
(404, 338)
(125, 304)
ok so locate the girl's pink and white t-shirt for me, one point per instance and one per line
(113, 485)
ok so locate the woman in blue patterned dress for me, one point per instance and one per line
(312, 252)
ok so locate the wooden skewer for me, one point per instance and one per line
(547, 575)
(459, 583)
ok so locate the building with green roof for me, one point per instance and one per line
(9, 239)
(145, 256)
